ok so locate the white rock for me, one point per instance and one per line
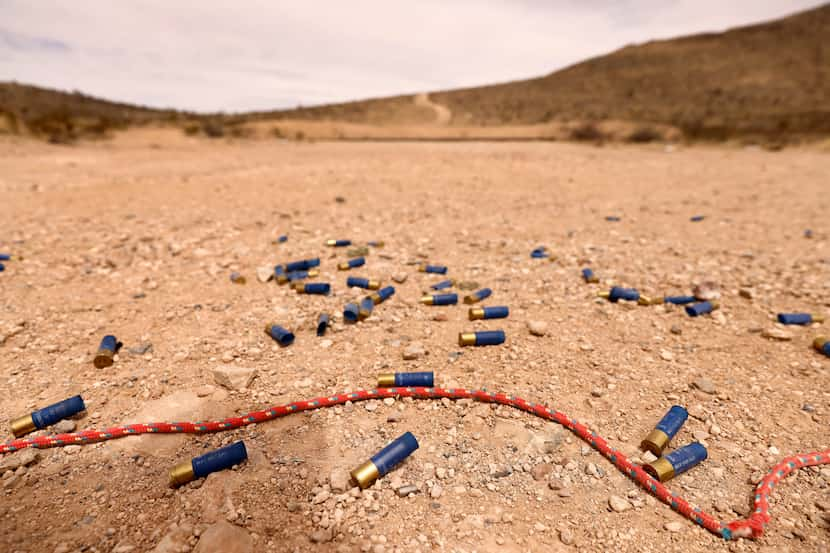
(339, 480)
(226, 538)
(537, 328)
(618, 504)
(264, 274)
(674, 526)
(234, 378)
(415, 350)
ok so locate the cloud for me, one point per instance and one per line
(256, 54)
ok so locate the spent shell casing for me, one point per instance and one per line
(365, 283)
(677, 462)
(352, 263)
(589, 276)
(384, 460)
(822, 345)
(443, 285)
(666, 429)
(440, 299)
(322, 288)
(477, 296)
(322, 324)
(436, 269)
(351, 313)
(280, 335)
(338, 243)
(106, 352)
(799, 318)
(495, 312)
(412, 379)
(680, 300)
(302, 265)
(199, 467)
(618, 293)
(47, 416)
(365, 308)
(701, 308)
(481, 338)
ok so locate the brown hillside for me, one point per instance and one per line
(770, 79)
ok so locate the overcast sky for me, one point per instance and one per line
(256, 55)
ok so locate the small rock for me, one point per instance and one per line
(404, 491)
(666, 355)
(141, 349)
(339, 480)
(436, 491)
(234, 378)
(22, 458)
(704, 385)
(415, 350)
(747, 293)
(264, 274)
(700, 435)
(440, 317)
(400, 278)
(777, 334)
(358, 251)
(320, 536)
(566, 536)
(468, 285)
(325, 344)
(541, 471)
(65, 426)
(618, 504)
(675, 329)
(204, 391)
(537, 328)
(706, 291)
(673, 526)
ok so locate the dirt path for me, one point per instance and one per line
(443, 115)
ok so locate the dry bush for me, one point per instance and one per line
(213, 129)
(587, 132)
(645, 134)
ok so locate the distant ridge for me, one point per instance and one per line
(770, 81)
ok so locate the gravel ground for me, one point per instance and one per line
(137, 238)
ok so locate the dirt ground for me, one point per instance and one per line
(137, 237)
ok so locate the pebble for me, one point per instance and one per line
(666, 355)
(673, 526)
(440, 317)
(400, 278)
(319, 536)
(566, 536)
(404, 491)
(413, 351)
(22, 458)
(339, 480)
(436, 491)
(618, 504)
(468, 285)
(141, 349)
(537, 328)
(747, 293)
(706, 291)
(65, 426)
(541, 471)
(704, 385)
(777, 334)
(675, 329)
(264, 274)
(234, 378)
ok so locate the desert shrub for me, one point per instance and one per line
(276, 132)
(645, 134)
(192, 129)
(587, 132)
(213, 129)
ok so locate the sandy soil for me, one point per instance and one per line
(137, 237)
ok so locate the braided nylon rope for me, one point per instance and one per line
(752, 527)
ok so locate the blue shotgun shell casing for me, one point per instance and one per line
(366, 283)
(701, 308)
(589, 276)
(58, 411)
(478, 296)
(376, 243)
(302, 265)
(322, 324)
(352, 263)
(613, 218)
(282, 336)
(619, 293)
(677, 462)
(440, 299)
(385, 460)
(338, 243)
(351, 313)
(5, 257)
(296, 275)
(481, 338)
(822, 345)
(365, 308)
(444, 284)
(437, 269)
(539, 252)
(495, 312)
(413, 379)
(283, 238)
(799, 318)
(2, 267)
(383, 294)
(199, 467)
(679, 300)
(322, 288)
(666, 429)
(106, 351)
(279, 270)
(696, 218)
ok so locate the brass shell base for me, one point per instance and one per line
(181, 474)
(660, 469)
(655, 442)
(23, 425)
(365, 475)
